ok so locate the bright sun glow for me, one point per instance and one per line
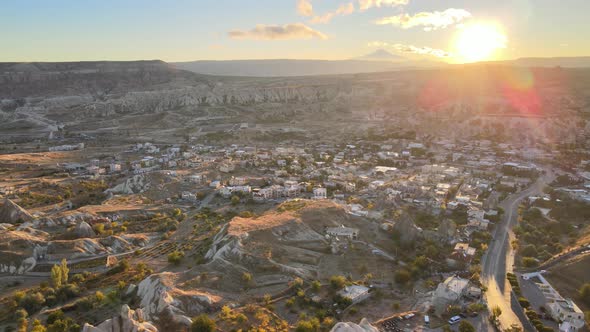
(478, 42)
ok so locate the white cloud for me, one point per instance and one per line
(278, 32)
(367, 4)
(428, 20)
(304, 8)
(344, 9)
(403, 48)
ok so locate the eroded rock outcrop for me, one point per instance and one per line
(10, 212)
(363, 326)
(133, 185)
(84, 230)
(127, 321)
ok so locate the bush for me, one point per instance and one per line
(402, 276)
(465, 326)
(524, 302)
(203, 323)
(175, 257)
(337, 282)
(529, 262)
(64, 325)
(316, 285)
(311, 325)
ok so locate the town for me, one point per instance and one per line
(401, 234)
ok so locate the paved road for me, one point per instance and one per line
(500, 259)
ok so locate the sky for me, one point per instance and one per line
(183, 30)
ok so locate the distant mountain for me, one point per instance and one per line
(566, 62)
(381, 55)
(283, 67)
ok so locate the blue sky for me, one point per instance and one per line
(182, 30)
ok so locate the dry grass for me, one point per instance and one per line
(569, 276)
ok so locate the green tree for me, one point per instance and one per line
(235, 200)
(311, 325)
(337, 282)
(65, 271)
(56, 276)
(316, 285)
(203, 323)
(175, 257)
(38, 327)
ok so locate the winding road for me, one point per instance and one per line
(500, 259)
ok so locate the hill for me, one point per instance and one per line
(285, 67)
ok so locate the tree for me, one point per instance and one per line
(175, 257)
(235, 200)
(56, 276)
(337, 282)
(316, 285)
(65, 271)
(465, 326)
(203, 323)
(59, 274)
(311, 325)
(38, 327)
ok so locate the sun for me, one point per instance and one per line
(478, 42)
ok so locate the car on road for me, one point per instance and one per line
(454, 320)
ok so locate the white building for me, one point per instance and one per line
(320, 193)
(565, 311)
(355, 293)
(342, 231)
(115, 167)
(449, 292)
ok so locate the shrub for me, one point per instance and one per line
(529, 262)
(465, 326)
(337, 282)
(402, 276)
(203, 323)
(175, 257)
(524, 302)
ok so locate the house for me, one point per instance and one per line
(227, 168)
(462, 253)
(188, 196)
(568, 313)
(237, 181)
(320, 193)
(448, 293)
(357, 210)
(115, 167)
(198, 178)
(562, 310)
(356, 293)
(342, 231)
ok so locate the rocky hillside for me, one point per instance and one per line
(126, 97)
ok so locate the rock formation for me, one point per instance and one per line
(127, 321)
(363, 326)
(10, 212)
(84, 230)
